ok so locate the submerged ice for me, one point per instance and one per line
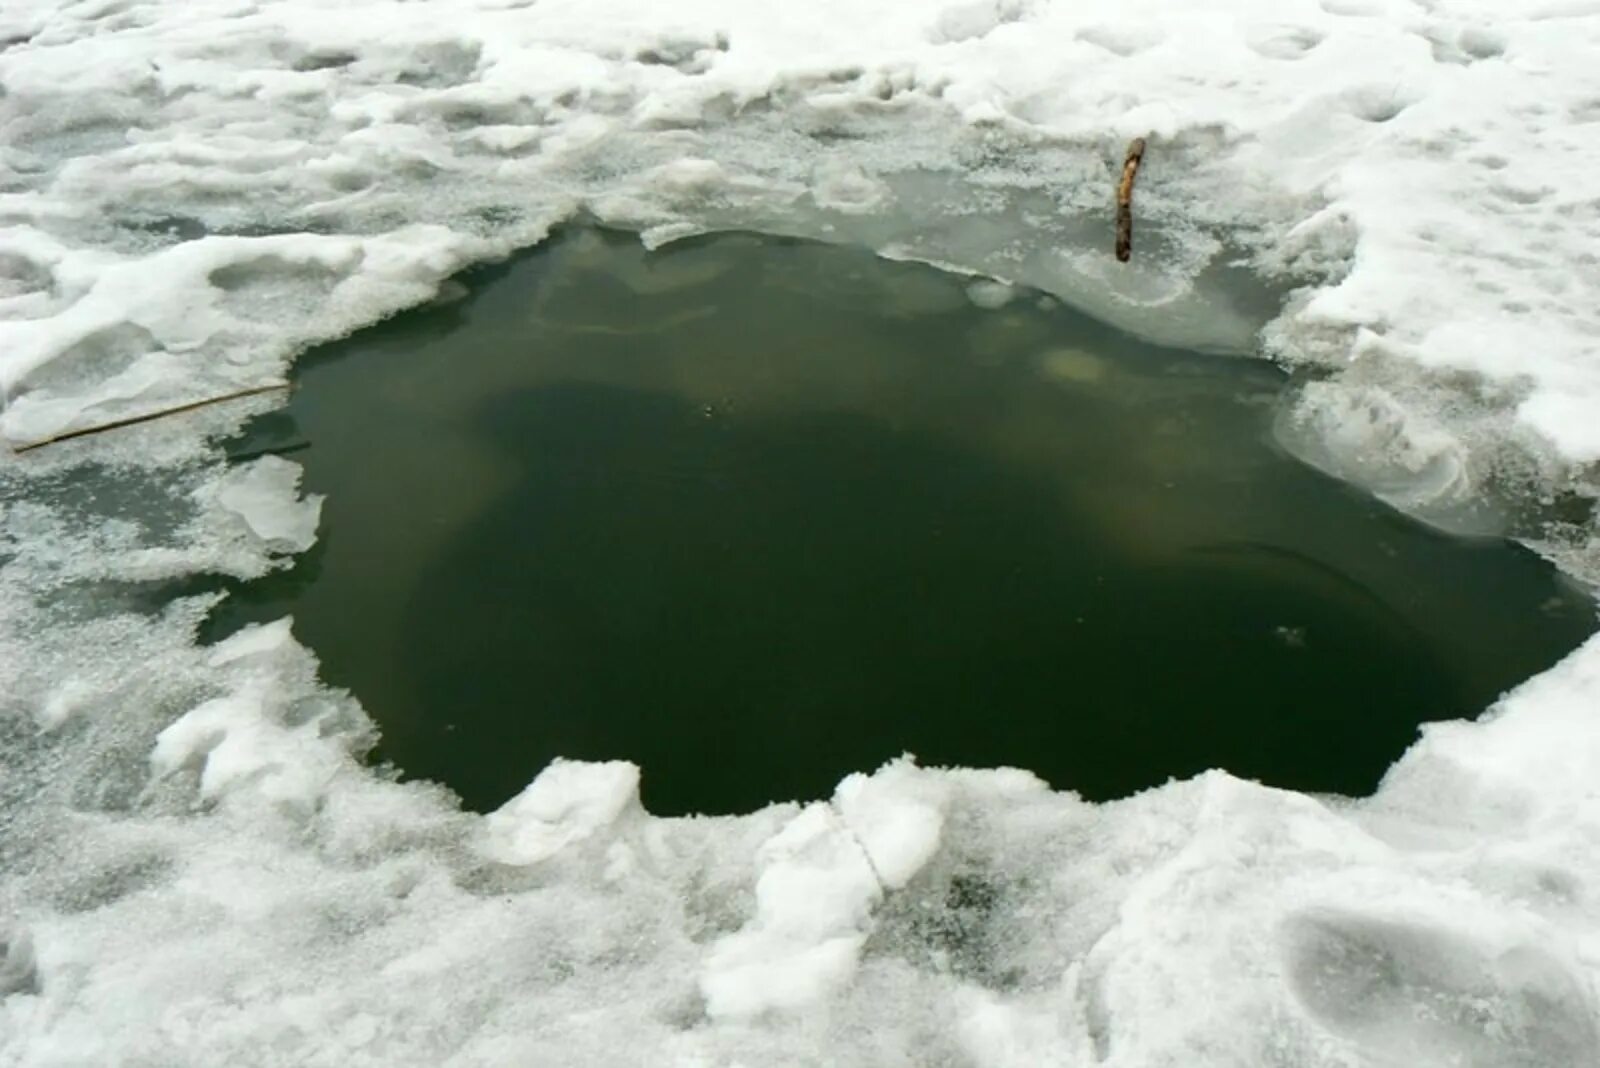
(197, 869)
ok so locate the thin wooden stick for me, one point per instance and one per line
(1130, 171)
(134, 420)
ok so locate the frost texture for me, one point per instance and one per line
(190, 193)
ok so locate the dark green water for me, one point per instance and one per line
(756, 514)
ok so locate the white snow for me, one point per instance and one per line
(568, 803)
(814, 901)
(1400, 196)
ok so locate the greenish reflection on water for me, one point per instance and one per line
(757, 513)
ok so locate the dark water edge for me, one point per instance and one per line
(757, 513)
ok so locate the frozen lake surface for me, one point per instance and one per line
(1393, 200)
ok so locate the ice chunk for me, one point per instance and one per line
(569, 802)
(896, 819)
(240, 749)
(263, 642)
(264, 496)
(840, 185)
(813, 905)
(820, 877)
(1366, 436)
(991, 294)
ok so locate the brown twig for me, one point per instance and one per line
(1130, 171)
(134, 420)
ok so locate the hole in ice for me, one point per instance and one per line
(758, 513)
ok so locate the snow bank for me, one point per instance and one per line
(1397, 197)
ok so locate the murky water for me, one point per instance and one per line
(756, 514)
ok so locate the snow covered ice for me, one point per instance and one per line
(1402, 198)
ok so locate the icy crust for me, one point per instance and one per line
(197, 868)
(138, 333)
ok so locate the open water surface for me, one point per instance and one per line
(757, 513)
